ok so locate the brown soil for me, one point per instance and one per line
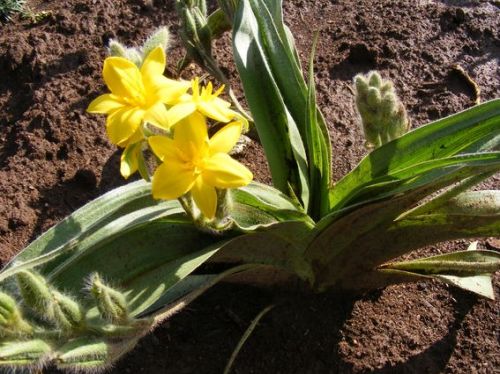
(54, 158)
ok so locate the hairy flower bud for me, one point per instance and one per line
(11, 320)
(161, 37)
(83, 354)
(111, 303)
(35, 293)
(117, 49)
(22, 353)
(8, 307)
(67, 312)
(383, 116)
(88, 354)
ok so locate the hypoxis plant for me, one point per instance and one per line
(148, 241)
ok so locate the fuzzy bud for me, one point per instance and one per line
(117, 49)
(161, 37)
(111, 303)
(8, 308)
(134, 55)
(88, 354)
(11, 320)
(67, 312)
(375, 80)
(35, 293)
(83, 354)
(22, 353)
(383, 116)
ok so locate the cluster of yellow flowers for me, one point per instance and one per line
(191, 162)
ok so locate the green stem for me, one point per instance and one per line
(245, 337)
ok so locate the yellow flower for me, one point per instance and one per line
(193, 162)
(136, 95)
(207, 103)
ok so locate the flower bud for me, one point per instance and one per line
(11, 321)
(8, 307)
(134, 55)
(373, 97)
(117, 49)
(88, 354)
(83, 354)
(375, 80)
(161, 37)
(23, 353)
(67, 312)
(383, 116)
(35, 293)
(111, 303)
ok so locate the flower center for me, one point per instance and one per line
(197, 165)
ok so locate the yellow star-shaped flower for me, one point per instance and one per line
(206, 102)
(137, 95)
(193, 162)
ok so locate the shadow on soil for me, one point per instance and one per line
(304, 329)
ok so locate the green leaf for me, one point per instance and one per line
(64, 237)
(470, 262)
(147, 247)
(472, 203)
(290, 126)
(474, 130)
(277, 128)
(470, 270)
(318, 149)
(218, 23)
(412, 177)
(258, 206)
(347, 245)
(479, 284)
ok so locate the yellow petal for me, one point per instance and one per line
(221, 103)
(129, 160)
(243, 120)
(122, 77)
(205, 198)
(195, 88)
(170, 91)
(105, 104)
(226, 138)
(163, 147)
(122, 124)
(138, 135)
(191, 135)
(171, 180)
(214, 110)
(179, 112)
(154, 64)
(157, 115)
(222, 171)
